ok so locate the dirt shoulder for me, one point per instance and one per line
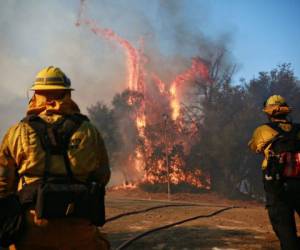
(246, 227)
(207, 196)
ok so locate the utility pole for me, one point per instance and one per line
(165, 117)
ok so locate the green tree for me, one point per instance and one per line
(229, 116)
(102, 116)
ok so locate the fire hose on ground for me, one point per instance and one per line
(154, 208)
(131, 240)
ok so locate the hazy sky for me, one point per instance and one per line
(33, 34)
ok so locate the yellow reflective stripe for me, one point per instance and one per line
(50, 80)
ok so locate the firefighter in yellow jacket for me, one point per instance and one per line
(25, 159)
(279, 142)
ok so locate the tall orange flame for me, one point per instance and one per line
(136, 81)
(197, 69)
(131, 52)
(133, 59)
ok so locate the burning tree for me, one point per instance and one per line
(145, 152)
(168, 136)
(150, 120)
(157, 132)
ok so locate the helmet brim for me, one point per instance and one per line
(277, 110)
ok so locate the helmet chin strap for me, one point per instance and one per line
(28, 95)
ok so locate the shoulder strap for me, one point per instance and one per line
(284, 141)
(295, 128)
(67, 128)
(40, 127)
(276, 127)
(62, 132)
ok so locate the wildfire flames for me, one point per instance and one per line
(172, 142)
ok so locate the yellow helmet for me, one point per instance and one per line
(51, 78)
(276, 105)
(275, 100)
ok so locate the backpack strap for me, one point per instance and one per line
(289, 135)
(275, 125)
(40, 127)
(55, 138)
(284, 141)
(277, 129)
(63, 133)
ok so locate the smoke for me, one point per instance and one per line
(36, 34)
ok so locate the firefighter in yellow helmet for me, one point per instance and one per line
(279, 142)
(57, 163)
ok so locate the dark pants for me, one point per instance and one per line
(283, 200)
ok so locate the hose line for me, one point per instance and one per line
(131, 240)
